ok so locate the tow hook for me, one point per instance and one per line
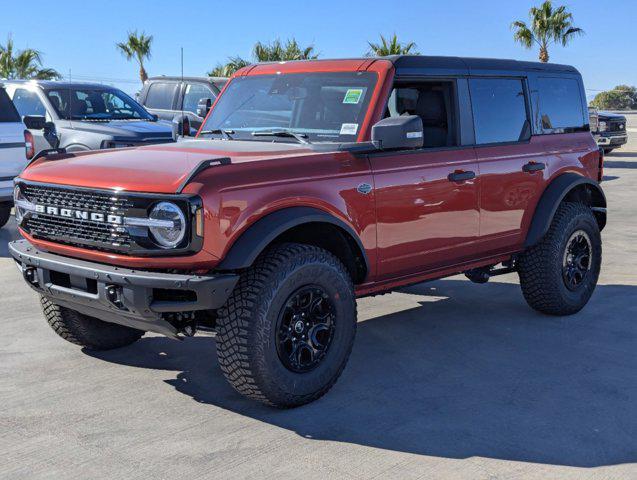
(115, 293)
(30, 275)
(184, 322)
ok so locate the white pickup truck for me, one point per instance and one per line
(12, 153)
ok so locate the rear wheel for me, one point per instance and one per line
(286, 332)
(559, 274)
(88, 332)
(5, 214)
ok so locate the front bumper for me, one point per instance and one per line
(138, 299)
(611, 140)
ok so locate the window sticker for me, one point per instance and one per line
(353, 96)
(349, 129)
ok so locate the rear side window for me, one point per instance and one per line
(560, 105)
(499, 110)
(8, 113)
(161, 95)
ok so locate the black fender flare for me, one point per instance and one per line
(261, 233)
(550, 200)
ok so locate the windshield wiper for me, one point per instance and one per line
(218, 131)
(301, 137)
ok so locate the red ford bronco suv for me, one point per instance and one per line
(308, 185)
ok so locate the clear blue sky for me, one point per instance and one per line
(80, 35)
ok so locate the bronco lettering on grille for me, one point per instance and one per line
(79, 214)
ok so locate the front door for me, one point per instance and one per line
(427, 199)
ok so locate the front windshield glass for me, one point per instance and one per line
(322, 107)
(95, 104)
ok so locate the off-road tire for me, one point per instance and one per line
(5, 215)
(247, 325)
(540, 267)
(85, 331)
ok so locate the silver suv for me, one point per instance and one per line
(12, 154)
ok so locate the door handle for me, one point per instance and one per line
(533, 167)
(461, 176)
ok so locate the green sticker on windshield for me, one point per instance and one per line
(353, 95)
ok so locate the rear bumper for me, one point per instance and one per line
(138, 299)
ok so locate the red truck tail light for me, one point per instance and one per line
(29, 145)
(600, 168)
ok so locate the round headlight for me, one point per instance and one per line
(18, 200)
(170, 228)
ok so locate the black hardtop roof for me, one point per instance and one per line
(474, 63)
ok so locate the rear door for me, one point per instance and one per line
(161, 98)
(12, 154)
(512, 167)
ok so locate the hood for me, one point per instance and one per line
(614, 116)
(153, 168)
(128, 130)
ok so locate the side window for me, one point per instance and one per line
(8, 113)
(434, 103)
(560, 105)
(194, 93)
(28, 103)
(499, 110)
(161, 95)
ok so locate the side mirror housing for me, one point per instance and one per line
(404, 132)
(34, 122)
(181, 127)
(154, 117)
(203, 107)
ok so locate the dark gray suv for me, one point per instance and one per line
(167, 97)
(87, 116)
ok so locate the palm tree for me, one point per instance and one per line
(24, 64)
(137, 47)
(275, 51)
(548, 25)
(278, 52)
(234, 64)
(391, 47)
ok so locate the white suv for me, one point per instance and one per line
(12, 153)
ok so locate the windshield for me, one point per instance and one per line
(95, 104)
(328, 107)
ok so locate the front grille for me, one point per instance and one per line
(617, 127)
(74, 231)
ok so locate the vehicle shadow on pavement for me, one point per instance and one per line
(7, 234)
(619, 164)
(467, 370)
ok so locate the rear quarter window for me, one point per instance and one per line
(560, 105)
(161, 95)
(8, 113)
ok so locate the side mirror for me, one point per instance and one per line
(154, 117)
(34, 122)
(398, 132)
(203, 107)
(181, 127)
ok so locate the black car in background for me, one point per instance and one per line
(169, 96)
(609, 129)
(86, 116)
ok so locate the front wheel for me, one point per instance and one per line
(88, 332)
(559, 274)
(287, 330)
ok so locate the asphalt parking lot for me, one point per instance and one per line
(447, 380)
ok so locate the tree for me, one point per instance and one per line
(622, 97)
(24, 64)
(275, 51)
(226, 70)
(391, 47)
(137, 47)
(548, 25)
